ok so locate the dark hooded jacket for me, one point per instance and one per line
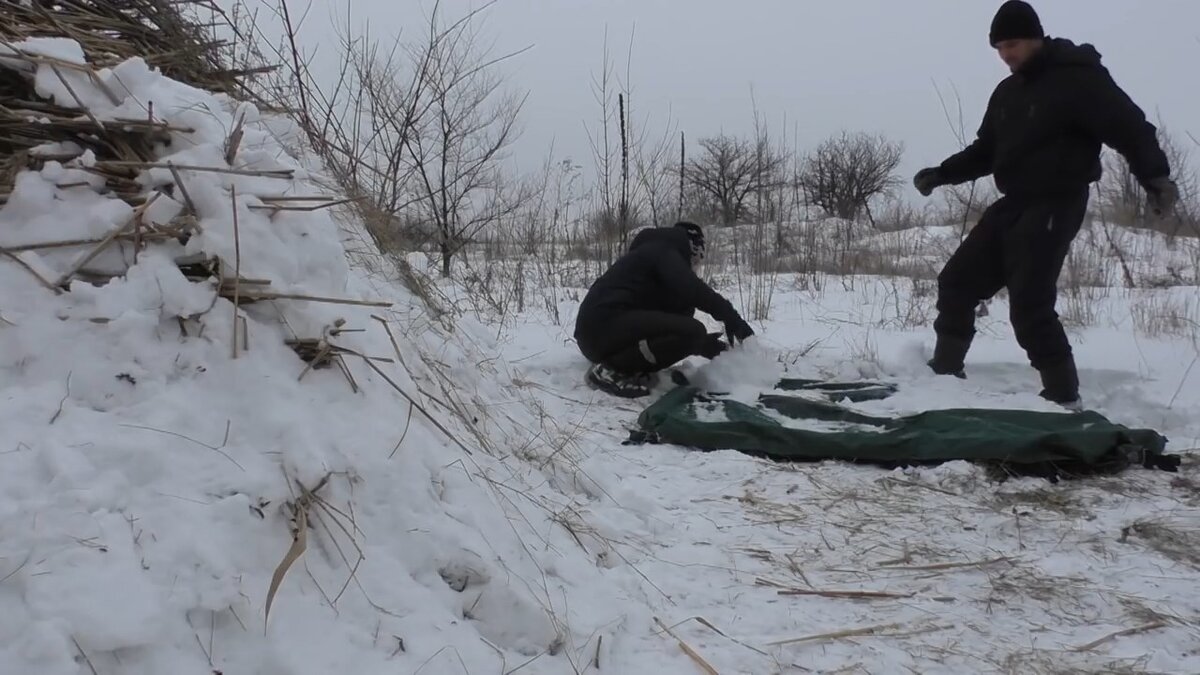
(656, 275)
(1044, 126)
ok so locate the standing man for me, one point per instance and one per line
(638, 318)
(1040, 139)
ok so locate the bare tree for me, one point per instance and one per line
(359, 125)
(605, 221)
(631, 188)
(656, 182)
(845, 172)
(731, 171)
(457, 144)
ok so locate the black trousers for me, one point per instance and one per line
(645, 341)
(1019, 244)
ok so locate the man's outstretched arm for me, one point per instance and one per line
(1109, 114)
(974, 161)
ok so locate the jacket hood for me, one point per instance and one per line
(1067, 53)
(1059, 52)
(672, 237)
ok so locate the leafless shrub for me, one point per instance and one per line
(845, 172)
(605, 225)
(730, 172)
(1122, 199)
(757, 263)
(356, 124)
(455, 146)
(1080, 307)
(415, 132)
(632, 165)
(1166, 314)
(964, 204)
(1177, 541)
(913, 302)
(898, 216)
(1088, 263)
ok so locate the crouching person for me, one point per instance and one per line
(638, 318)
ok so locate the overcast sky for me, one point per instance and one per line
(825, 65)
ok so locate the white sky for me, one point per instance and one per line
(825, 65)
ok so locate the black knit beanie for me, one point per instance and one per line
(1015, 20)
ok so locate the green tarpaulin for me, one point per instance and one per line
(791, 424)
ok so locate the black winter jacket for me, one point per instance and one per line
(1044, 125)
(655, 274)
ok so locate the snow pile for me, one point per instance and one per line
(150, 478)
(743, 372)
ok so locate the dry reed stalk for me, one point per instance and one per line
(215, 448)
(946, 566)
(187, 198)
(299, 198)
(391, 336)
(271, 295)
(29, 268)
(237, 269)
(138, 213)
(299, 541)
(316, 207)
(836, 635)
(1153, 625)
(78, 101)
(687, 649)
(86, 658)
(709, 625)
(167, 33)
(849, 594)
(235, 139)
(286, 174)
(412, 401)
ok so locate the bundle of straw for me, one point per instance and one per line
(171, 35)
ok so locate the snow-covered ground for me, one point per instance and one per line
(470, 507)
(971, 574)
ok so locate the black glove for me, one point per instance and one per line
(926, 180)
(737, 329)
(1161, 194)
(713, 346)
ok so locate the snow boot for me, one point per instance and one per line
(679, 379)
(1060, 384)
(623, 385)
(949, 354)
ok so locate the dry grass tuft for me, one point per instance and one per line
(1057, 500)
(1176, 542)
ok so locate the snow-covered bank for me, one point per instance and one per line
(152, 470)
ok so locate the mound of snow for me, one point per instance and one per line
(151, 479)
(744, 371)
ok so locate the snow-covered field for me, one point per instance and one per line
(971, 574)
(468, 505)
